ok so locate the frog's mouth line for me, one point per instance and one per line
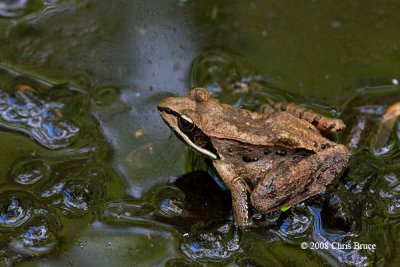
(170, 118)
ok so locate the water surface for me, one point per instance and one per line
(90, 175)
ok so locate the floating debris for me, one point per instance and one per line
(384, 139)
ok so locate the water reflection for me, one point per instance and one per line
(16, 8)
(216, 245)
(30, 171)
(36, 240)
(368, 116)
(334, 242)
(16, 209)
(225, 75)
(44, 121)
(390, 194)
(295, 225)
(145, 50)
(56, 185)
(229, 76)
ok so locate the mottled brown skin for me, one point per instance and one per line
(274, 158)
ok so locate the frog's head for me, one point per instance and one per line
(184, 115)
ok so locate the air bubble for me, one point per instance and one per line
(36, 239)
(30, 172)
(169, 201)
(80, 195)
(12, 211)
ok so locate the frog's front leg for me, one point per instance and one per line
(307, 178)
(323, 123)
(238, 187)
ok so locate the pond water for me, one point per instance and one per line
(91, 176)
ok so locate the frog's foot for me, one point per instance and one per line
(330, 125)
(301, 181)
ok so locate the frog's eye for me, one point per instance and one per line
(185, 123)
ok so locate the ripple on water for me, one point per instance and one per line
(74, 191)
(384, 141)
(80, 195)
(212, 246)
(47, 198)
(344, 256)
(228, 76)
(105, 96)
(15, 209)
(38, 237)
(169, 201)
(44, 121)
(29, 172)
(295, 225)
(127, 211)
(209, 68)
(51, 190)
(390, 194)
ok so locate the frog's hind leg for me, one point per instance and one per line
(301, 181)
(323, 123)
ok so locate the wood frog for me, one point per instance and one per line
(270, 159)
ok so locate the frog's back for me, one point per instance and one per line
(277, 129)
(288, 130)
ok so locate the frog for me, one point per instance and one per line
(269, 159)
